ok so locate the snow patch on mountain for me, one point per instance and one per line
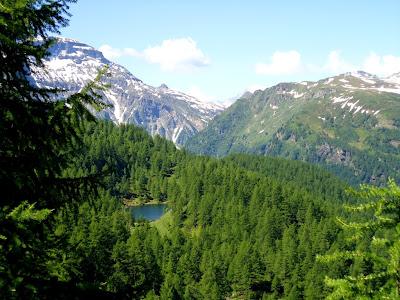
(341, 99)
(394, 78)
(161, 110)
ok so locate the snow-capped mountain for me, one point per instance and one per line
(394, 78)
(350, 123)
(160, 110)
(361, 80)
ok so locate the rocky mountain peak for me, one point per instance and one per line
(161, 111)
(362, 74)
(163, 86)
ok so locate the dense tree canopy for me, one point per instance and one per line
(245, 225)
(242, 227)
(39, 138)
(373, 247)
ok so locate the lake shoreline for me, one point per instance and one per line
(135, 203)
(149, 212)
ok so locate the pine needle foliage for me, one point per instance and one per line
(372, 250)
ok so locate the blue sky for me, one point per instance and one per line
(215, 50)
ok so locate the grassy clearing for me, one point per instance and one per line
(163, 224)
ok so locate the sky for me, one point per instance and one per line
(216, 50)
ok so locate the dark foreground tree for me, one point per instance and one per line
(39, 136)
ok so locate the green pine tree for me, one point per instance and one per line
(373, 247)
(40, 137)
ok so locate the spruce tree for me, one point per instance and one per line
(373, 247)
(39, 137)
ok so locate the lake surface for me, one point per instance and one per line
(149, 212)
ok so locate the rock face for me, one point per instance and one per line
(350, 123)
(168, 113)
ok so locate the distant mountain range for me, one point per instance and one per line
(160, 110)
(350, 123)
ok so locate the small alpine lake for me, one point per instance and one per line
(150, 212)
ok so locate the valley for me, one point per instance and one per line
(335, 122)
(112, 188)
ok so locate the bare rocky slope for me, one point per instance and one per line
(160, 110)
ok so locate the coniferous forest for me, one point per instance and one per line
(241, 227)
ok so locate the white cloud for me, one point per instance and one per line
(131, 52)
(375, 64)
(228, 102)
(109, 52)
(176, 55)
(289, 63)
(199, 94)
(382, 65)
(113, 53)
(282, 63)
(172, 55)
(337, 64)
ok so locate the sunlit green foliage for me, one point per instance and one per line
(373, 247)
(242, 227)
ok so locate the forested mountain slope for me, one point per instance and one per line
(348, 123)
(244, 226)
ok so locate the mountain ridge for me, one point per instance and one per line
(342, 121)
(160, 110)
